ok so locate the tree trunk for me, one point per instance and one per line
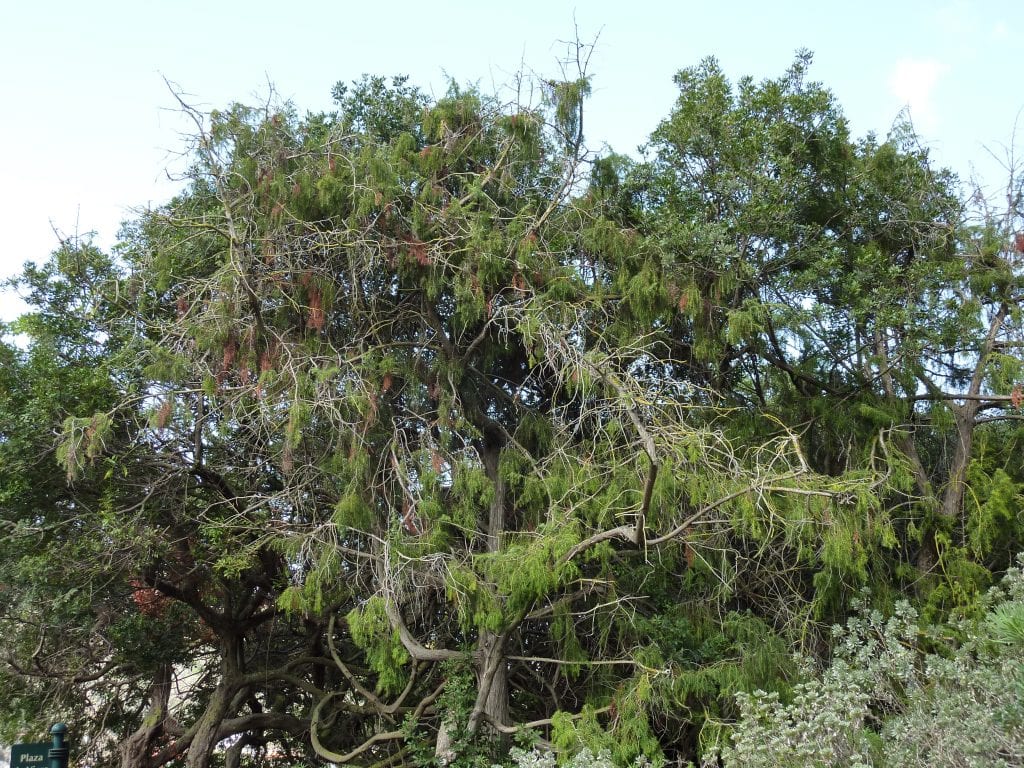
(206, 737)
(951, 510)
(950, 507)
(137, 748)
(491, 668)
(492, 682)
(207, 734)
(953, 496)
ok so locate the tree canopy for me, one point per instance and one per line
(414, 429)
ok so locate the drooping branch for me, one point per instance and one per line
(415, 648)
(385, 710)
(544, 721)
(377, 738)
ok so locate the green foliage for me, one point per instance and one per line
(616, 435)
(352, 511)
(372, 631)
(474, 599)
(467, 749)
(992, 508)
(526, 571)
(960, 584)
(628, 737)
(84, 440)
(1005, 624)
(471, 492)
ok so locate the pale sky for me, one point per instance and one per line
(90, 129)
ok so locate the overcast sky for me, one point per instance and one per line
(90, 130)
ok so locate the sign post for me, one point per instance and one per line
(59, 751)
(43, 755)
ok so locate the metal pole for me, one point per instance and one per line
(59, 751)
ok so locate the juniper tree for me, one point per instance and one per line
(409, 397)
(417, 423)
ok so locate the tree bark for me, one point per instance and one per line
(491, 704)
(492, 668)
(965, 419)
(208, 730)
(136, 750)
(492, 682)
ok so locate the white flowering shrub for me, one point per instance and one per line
(531, 758)
(826, 723)
(884, 702)
(822, 726)
(538, 758)
(971, 715)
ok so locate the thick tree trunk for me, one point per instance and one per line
(137, 748)
(443, 746)
(491, 704)
(206, 737)
(492, 669)
(953, 496)
(492, 682)
(495, 529)
(208, 732)
(950, 507)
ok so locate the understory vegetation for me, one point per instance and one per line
(419, 433)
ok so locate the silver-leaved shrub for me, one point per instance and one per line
(538, 758)
(883, 701)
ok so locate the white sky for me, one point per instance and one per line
(89, 128)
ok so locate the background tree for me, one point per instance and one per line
(841, 286)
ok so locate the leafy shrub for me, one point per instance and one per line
(538, 758)
(885, 701)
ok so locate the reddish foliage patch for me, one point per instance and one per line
(164, 414)
(316, 309)
(148, 600)
(230, 353)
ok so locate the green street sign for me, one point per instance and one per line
(25, 755)
(53, 755)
